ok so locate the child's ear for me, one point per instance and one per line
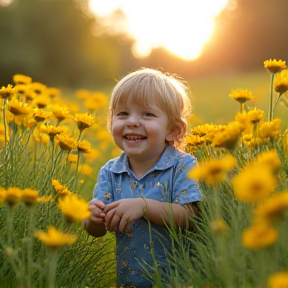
(172, 133)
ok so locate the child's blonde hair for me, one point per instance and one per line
(170, 93)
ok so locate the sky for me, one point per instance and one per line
(180, 26)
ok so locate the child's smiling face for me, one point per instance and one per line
(141, 132)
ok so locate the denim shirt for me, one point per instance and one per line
(165, 182)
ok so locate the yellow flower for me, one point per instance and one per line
(65, 142)
(259, 235)
(29, 122)
(21, 89)
(60, 112)
(73, 107)
(192, 142)
(11, 196)
(98, 100)
(7, 92)
(273, 208)
(103, 135)
(29, 96)
(271, 159)
(93, 155)
(52, 130)
(278, 280)
(52, 92)
(40, 115)
(82, 94)
(241, 95)
(41, 101)
(242, 118)
(281, 82)
(84, 146)
(55, 239)
(249, 140)
(2, 133)
(84, 120)
(213, 171)
(73, 158)
(274, 66)
(41, 137)
(270, 129)
(60, 189)
(86, 169)
(219, 226)
(207, 131)
(58, 186)
(229, 136)
(37, 87)
(29, 196)
(253, 183)
(21, 79)
(19, 108)
(74, 208)
(44, 199)
(255, 115)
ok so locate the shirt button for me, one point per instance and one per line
(134, 184)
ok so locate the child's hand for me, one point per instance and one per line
(97, 215)
(121, 213)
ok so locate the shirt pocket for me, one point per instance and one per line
(159, 192)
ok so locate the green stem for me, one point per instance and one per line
(270, 116)
(30, 246)
(55, 163)
(4, 121)
(280, 94)
(10, 230)
(6, 146)
(80, 134)
(52, 269)
(242, 105)
(73, 180)
(28, 139)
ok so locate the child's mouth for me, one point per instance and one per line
(134, 137)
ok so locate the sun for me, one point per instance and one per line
(182, 27)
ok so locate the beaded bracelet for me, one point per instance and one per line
(146, 205)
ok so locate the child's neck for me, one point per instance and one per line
(140, 168)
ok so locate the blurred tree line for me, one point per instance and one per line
(52, 41)
(243, 39)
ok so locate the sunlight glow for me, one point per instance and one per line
(5, 2)
(181, 26)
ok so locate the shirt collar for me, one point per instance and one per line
(167, 160)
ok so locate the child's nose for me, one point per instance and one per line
(133, 122)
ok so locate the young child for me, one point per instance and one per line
(147, 184)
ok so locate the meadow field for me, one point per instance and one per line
(53, 143)
(211, 95)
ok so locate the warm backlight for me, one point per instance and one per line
(181, 26)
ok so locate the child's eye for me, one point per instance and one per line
(123, 113)
(149, 114)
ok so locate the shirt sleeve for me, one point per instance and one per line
(185, 190)
(103, 189)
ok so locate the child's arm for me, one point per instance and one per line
(121, 213)
(162, 213)
(94, 225)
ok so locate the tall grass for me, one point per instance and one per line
(241, 235)
(31, 158)
(232, 246)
